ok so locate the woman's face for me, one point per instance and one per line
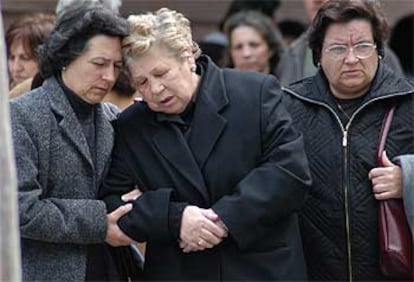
(249, 50)
(165, 82)
(93, 74)
(22, 65)
(349, 77)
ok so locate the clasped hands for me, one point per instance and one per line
(200, 229)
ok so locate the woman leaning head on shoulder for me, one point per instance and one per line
(63, 139)
(84, 50)
(160, 53)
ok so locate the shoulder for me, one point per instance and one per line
(110, 110)
(134, 115)
(33, 103)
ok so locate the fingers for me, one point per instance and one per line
(198, 231)
(119, 212)
(210, 214)
(132, 195)
(386, 181)
(385, 160)
(114, 235)
(213, 229)
(385, 195)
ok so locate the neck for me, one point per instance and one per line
(349, 95)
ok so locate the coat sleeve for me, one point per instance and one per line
(407, 167)
(56, 220)
(149, 218)
(278, 185)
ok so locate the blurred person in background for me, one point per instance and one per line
(23, 38)
(215, 43)
(296, 62)
(291, 30)
(123, 93)
(402, 42)
(253, 45)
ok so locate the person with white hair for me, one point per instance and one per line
(65, 5)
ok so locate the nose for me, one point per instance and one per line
(246, 51)
(156, 87)
(15, 65)
(350, 57)
(110, 74)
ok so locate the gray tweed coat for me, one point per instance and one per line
(58, 182)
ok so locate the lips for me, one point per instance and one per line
(352, 72)
(102, 89)
(167, 100)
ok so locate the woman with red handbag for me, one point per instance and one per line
(340, 112)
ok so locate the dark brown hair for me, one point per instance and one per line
(343, 11)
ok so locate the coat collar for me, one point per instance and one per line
(386, 84)
(207, 126)
(71, 127)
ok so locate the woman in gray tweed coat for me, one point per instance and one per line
(62, 140)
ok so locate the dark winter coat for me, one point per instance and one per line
(242, 158)
(339, 219)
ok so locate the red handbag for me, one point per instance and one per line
(395, 238)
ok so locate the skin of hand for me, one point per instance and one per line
(131, 196)
(387, 180)
(114, 235)
(200, 229)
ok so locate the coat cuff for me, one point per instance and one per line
(175, 214)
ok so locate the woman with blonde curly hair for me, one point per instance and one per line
(222, 172)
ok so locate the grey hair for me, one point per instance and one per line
(167, 28)
(64, 5)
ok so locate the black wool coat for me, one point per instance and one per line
(242, 158)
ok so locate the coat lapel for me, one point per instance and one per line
(208, 124)
(67, 119)
(105, 140)
(172, 145)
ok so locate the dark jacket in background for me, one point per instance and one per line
(340, 159)
(241, 157)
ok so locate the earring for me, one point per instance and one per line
(63, 68)
(193, 68)
(380, 57)
(319, 65)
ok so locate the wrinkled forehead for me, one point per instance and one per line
(349, 32)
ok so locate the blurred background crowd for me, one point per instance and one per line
(283, 21)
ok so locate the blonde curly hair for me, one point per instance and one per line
(166, 28)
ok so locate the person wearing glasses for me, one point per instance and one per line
(296, 62)
(340, 111)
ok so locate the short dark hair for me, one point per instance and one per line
(267, 7)
(343, 11)
(72, 32)
(263, 25)
(32, 30)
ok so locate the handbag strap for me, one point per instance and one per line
(386, 124)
